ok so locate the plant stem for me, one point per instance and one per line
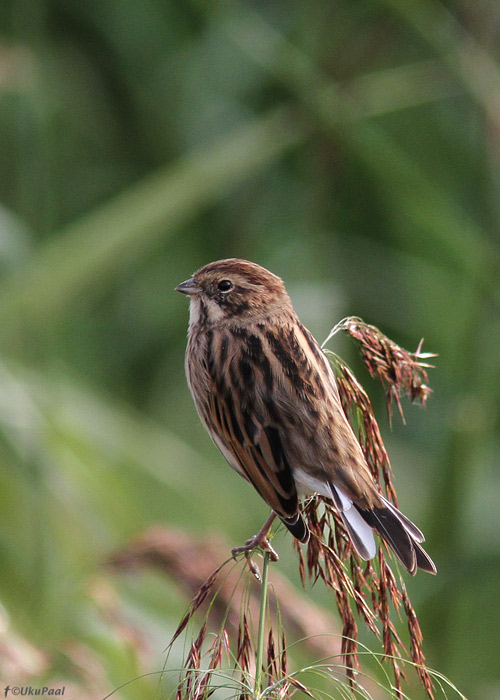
(262, 619)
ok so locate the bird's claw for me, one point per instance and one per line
(253, 543)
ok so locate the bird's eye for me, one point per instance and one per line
(225, 285)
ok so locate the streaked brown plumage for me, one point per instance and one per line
(268, 397)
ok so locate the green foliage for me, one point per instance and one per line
(352, 148)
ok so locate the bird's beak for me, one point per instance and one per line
(188, 287)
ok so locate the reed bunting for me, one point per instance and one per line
(268, 397)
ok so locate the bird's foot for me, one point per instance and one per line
(258, 540)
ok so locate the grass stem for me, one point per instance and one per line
(260, 638)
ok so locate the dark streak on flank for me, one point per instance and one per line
(248, 477)
(320, 357)
(286, 479)
(257, 461)
(289, 503)
(288, 364)
(224, 343)
(252, 358)
(313, 345)
(217, 413)
(318, 385)
(209, 354)
(250, 427)
(284, 474)
(247, 374)
(224, 420)
(235, 377)
(273, 411)
(274, 440)
(298, 354)
(234, 420)
(256, 353)
(314, 384)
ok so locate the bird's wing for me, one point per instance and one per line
(254, 448)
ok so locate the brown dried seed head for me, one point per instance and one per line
(401, 371)
(244, 647)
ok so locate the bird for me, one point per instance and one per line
(268, 397)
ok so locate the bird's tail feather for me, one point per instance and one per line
(400, 534)
(359, 531)
(297, 527)
(424, 561)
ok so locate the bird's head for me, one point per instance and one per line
(235, 291)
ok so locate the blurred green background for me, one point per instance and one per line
(351, 147)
